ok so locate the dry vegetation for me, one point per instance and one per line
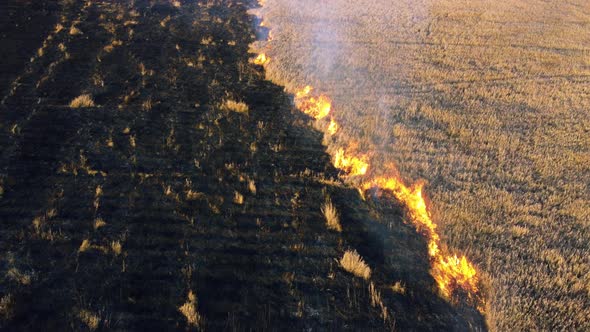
(84, 100)
(331, 215)
(352, 262)
(235, 106)
(487, 101)
(189, 311)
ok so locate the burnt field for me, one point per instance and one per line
(151, 179)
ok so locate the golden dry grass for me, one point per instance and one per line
(84, 246)
(74, 31)
(116, 247)
(235, 106)
(238, 198)
(98, 223)
(90, 319)
(189, 311)
(331, 216)
(352, 262)
(84, 100)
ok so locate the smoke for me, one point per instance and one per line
(360, 53)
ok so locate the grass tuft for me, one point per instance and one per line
(352, 262)
(84, 100)
(189, 311)
(331, 216)
(235, 106)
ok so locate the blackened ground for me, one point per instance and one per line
(157, 198)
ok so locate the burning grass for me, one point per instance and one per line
(318, 107)
(261, 59)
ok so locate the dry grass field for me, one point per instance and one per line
(489, 103)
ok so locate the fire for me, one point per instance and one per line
(332, 127)
(452, 271)
(351, 165)
(449, 272)
(261, 59)
(303, 92)
(318, 108)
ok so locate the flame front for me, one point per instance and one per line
(303, 92)
(261, 59)
(333, 127)
(351, 165)
(318, 108)
(450, 272)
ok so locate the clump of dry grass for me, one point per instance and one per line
(399, 287)
(98, 223)
(84, 246)
(58, 28)
(192, 195)
(6, 305)
(20, 277)
(116, 247)
(377, 301)
(189, 311)
(238, 198)
(235, 106)
(74, 31)
(84, 100)
(331, 215)
(252, 186)
(352, 262)
(90, 319)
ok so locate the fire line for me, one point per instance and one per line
(450, 272)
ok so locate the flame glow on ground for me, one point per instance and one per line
(333, 127)
(316, 107)
(261, 59)
(451, 273)
(351, 165)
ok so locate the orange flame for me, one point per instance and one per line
(333, 127)
(318, 108)
(449, 272)
(303, 92)
(261, 59)
(351, 165)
